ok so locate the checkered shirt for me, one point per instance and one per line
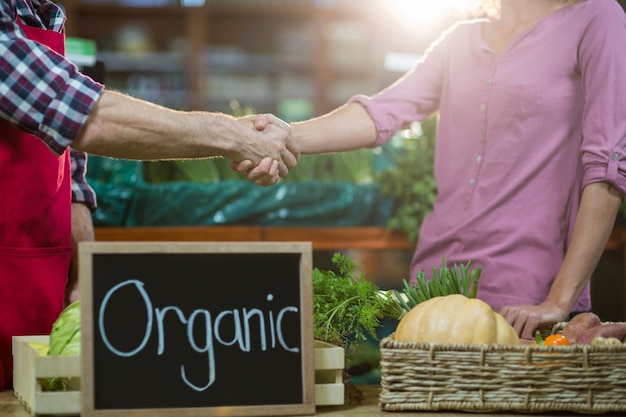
(40, 91)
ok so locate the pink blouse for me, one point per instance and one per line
(519, 136)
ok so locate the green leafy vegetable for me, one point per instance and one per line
(65, 341)
(65, 334)
(348, 308)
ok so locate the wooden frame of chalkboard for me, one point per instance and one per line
(190, 329)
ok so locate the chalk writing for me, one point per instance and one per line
(240, 319)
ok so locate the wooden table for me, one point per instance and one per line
(322, 238)
(11, 407)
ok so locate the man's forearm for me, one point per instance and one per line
(594, 224)
(124, 127)
(121, 126)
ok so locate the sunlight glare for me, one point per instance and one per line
(425, 14)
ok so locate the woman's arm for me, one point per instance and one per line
(594, 224)
(347, 128)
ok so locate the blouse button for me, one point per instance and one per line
(615, 156)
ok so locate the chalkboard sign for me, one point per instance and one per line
(196, 329)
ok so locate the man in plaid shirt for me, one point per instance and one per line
(50, 115)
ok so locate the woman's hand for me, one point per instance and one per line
(525, 319)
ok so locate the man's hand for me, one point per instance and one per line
(269, 171)
(526, 319)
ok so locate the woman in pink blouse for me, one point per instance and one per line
(530, 159)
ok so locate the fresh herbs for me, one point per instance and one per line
(348, 308)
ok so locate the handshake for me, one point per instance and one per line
(267, 151)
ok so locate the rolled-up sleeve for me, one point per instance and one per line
(415, 96)
(81, 190)
(40, 91)
(603, 68)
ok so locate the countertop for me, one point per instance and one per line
(11, 407)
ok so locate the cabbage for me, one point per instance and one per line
(65, 341)
(40, 348)
(65, 334)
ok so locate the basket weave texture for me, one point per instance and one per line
(584, 379)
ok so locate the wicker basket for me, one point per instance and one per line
(482, 378)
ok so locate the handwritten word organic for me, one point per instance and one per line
(237, 323)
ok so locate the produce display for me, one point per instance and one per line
(65, 334)
(580, 323)
(40, 348)
(587, 328)
(552, 340)
(348, 308)
(64, 341)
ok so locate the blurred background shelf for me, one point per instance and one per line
(260, 53)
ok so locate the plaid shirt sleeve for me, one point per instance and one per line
(81, 191)
(40, 91)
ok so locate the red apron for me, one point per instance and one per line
(35, 229)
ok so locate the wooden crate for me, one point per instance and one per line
(329, 364)
(29, 367)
